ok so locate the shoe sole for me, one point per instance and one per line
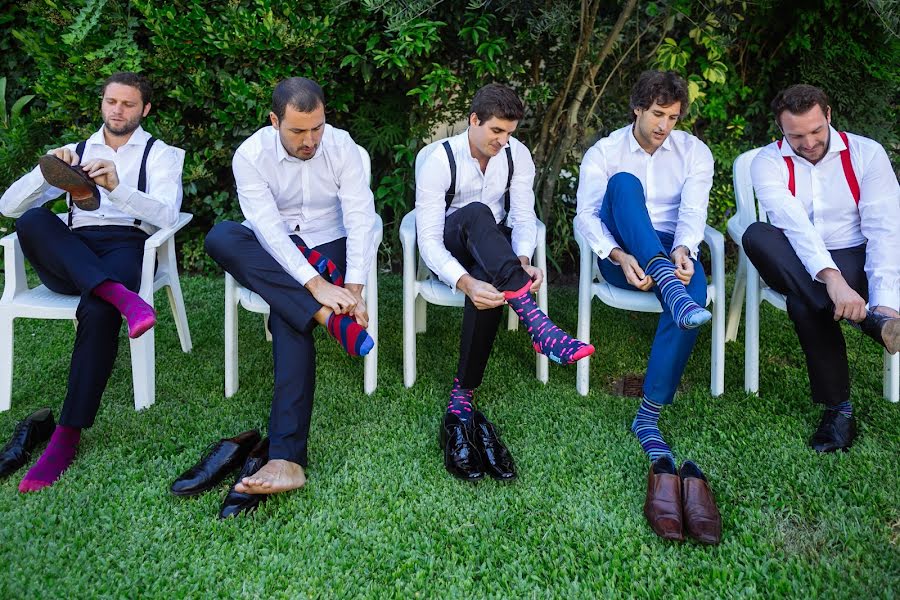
(890, 334)
(59, 174)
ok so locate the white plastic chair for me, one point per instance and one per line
(748, 285)
(237, 295)
(421, 287)
(20, 301)
(592, 285)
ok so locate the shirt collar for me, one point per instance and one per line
(835, 144)
(465, 136)
(138, 137)
(634, 146)
(282, 154)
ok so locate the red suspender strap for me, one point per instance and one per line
(848, 168)
(792, 186)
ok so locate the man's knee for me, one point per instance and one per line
(221, 238)
(35, 221)
(625, 184)
(757, 237)
(477, 212)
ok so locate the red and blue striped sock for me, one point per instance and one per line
(323, 265)
(548, 339)
(686, 313)
(646, 428)
(461, 401)
(351, 335)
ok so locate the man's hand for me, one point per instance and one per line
(634, 274)
(537, 277)
(887, 311)
(103, 172)
(482, 294)
(361, 312)
(331, 296)
(684, 266)
(66, 155)
(847, 303)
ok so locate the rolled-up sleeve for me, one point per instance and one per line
(785, 212)
(432, 181)
(358, 210)
(694, 200)
(159, 206)
(522, 219)
(879, 211)
(592, 181)
(259, 208)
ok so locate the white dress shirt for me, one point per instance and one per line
(824, 216)
(321, 199)
(676, 180)
(157, 208)
(433, 180)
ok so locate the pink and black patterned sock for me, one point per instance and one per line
(139, 315)
(461, 401)
(548, 339)
(57, 456)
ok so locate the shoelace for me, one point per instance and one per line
(20, 430)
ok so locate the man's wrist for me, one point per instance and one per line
(463, 282)
(829, 275)
(314, 283)
(525, 261)
(616, 254)
(354, 288)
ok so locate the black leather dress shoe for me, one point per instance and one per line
(235, 502)
(883, 329)
(30, 432)
(496, 459)
(222, 458)
(835, 432)
(461, 457)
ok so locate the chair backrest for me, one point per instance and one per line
(367, 164)
(425, 153)
(747, 211)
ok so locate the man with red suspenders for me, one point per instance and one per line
(831, 246)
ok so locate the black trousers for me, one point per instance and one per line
(291, 322)
(75, 262)
(809, 306)
(484, 249)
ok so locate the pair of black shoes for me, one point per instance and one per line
(835, 432)
(245, 451)
(30, 432)
(474, 448)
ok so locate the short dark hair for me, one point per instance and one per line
(299, 93)
(663, 87)
(134, 80)
(798, 99)
(495, 100)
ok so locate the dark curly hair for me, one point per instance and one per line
(495, 100)
(663, 87)
(134, 80)
(799, 99)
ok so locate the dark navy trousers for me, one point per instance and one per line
(291, 322)
(74, 262)
(483, 248)
(624, 212)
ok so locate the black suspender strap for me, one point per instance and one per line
(79, 150)
(142, 174)
(510, 168)
(451, 191)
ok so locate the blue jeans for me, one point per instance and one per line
(624, 212)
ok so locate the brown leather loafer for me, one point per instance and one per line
(72, 179)
(663, 504)
(701, 515)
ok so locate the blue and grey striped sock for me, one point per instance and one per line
(686, 313)
(645, 427)
(845, 408)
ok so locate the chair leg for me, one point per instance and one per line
(143, 370)
(266, 326)
(751, 331)
(231, 337)
(585, 295)
(370, 367)
(421, 314)
(6, 362)
(410, 310)
(891, 377)
(512, 320)
(737, 299)
(717, 366)
(176, 299)
(540, 260)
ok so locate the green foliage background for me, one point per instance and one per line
(393, 70)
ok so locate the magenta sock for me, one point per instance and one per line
(139, 315)
(57, 457)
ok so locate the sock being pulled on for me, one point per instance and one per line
(323, 265)
(57, 456)
(646, 427)
(548, 339)
(139, 315)
(461, 401)
(352, 336)
(686, 313)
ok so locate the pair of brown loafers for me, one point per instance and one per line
(71, 178)
(681, 502)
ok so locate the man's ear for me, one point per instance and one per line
(828, 114)
(473, 119)
(274, 119)
(146, 109)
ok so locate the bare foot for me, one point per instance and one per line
(276, 476)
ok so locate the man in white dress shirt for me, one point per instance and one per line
(642, 198)
(831, 245)
(98, 255)
(477, 230)
(302, 187)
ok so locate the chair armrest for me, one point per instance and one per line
(408, 230)
(157, 239)
(736, 228)
(13, 268)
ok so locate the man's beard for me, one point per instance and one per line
(125, 128)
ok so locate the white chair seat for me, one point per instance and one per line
(592, 285)
(159, 270)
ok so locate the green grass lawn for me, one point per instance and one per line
(380, 517)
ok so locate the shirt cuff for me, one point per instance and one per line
(355, 276)
(523, 248)
(693, 246)
(884, 297)
(121, 194)
(818, 262)
(451, 274)
(305, 273)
